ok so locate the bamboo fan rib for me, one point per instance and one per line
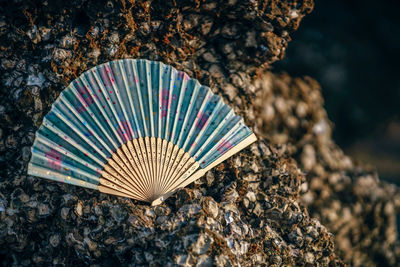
(136, 128)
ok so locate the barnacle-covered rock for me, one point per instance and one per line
(246, 211)
(349, 199)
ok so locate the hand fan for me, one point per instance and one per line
(136, 128)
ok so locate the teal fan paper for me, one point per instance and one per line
(136, 128)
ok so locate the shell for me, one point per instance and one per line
(136, 128)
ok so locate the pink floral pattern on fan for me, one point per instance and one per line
(84, 99)
(121, 129)
(202, 120)
(54, 159)
(224, 146)
(165, 102)
(105, 72)
(183, 76)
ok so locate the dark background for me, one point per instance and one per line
(352, 49)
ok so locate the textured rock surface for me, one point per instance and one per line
(348, 199)
(245, 211)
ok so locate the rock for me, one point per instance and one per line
(229, 31)
(54, 240)
(242, 38)
(11, 142)
(204, 261)
(91, 245)
(309, 258)
(209, 57)
(331, 175)
(202, 244)
(79, 208)
(43, 210)
(184, 260)
(45, 33)
(35, 79)
(251, 39)
(60, 54)
(68, 41)
(34, 35)
(26, 153)
(117, 213)
(211, 207)
(308, 157)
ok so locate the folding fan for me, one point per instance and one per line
(136, 128)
